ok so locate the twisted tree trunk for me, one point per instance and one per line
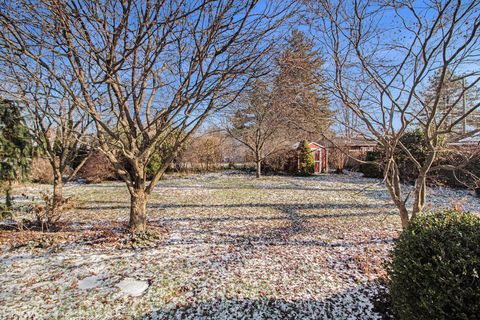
(394, 187)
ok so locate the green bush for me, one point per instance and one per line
(434, 273)
(306, 161)
(372, 169)
(154, 165)
(415, 142)
(464, 168)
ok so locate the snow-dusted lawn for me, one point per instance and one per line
(230, 247)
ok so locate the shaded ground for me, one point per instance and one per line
(225, 246)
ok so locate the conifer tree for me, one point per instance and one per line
(15, 147)
(297, 89)
(306, 161)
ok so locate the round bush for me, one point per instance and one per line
(434, 273)
(372, 168)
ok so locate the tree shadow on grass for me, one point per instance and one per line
(366, 301)
(202, 228)
(290, 212)
(293, 187)
(117, 205)
(275, 237)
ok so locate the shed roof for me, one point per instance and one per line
(318, 145)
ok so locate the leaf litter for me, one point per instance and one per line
(221, 246)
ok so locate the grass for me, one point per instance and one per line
(229, 246)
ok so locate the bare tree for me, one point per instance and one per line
(383, 53)
(257, 124)
(347, 122)
(56, 124)
(206, 150)
(338, 156)
(147, 70)
(450, 93)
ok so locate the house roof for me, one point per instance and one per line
(351, 142)
(472, 140)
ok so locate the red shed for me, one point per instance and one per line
(320, 154)
(321, 157)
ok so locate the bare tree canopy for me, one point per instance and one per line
(57, 125)
(452, 103)
(383, 54)
(146, 70)
(258, 124)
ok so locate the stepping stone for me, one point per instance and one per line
(89, 282)
(132, 287)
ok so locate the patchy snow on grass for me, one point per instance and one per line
(228, 246)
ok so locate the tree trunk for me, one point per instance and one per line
(57, 199)
(57, 189)
(392, 181)
(258, 171)
(138, 211)
(404, 217)
(8, 195)
(399, 204)
(421, 185)
(420, 195)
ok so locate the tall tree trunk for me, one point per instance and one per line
(258, 171)
(138, 211)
